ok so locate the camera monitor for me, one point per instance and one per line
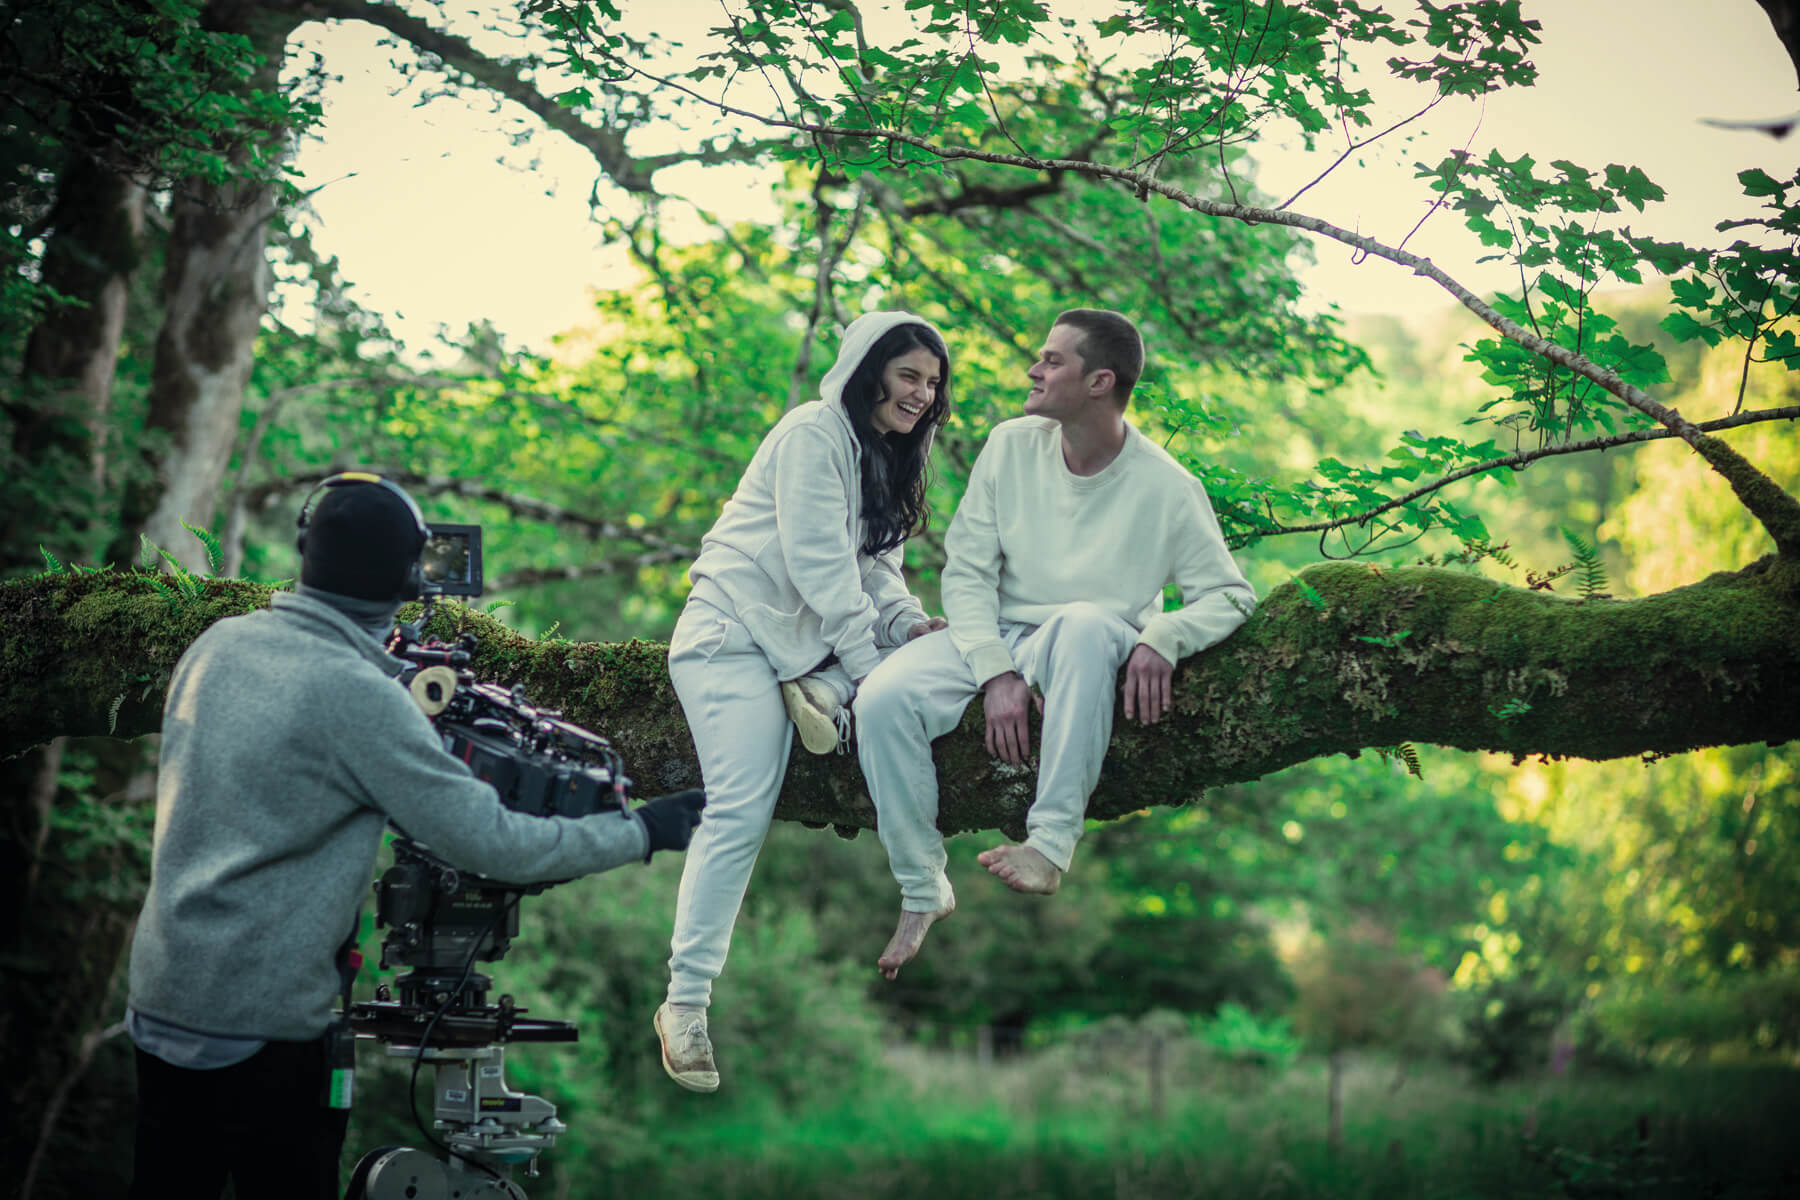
(452, 560)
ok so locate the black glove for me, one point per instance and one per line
(670, 820)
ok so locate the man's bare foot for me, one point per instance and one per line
(1022, 869)
(908, 937)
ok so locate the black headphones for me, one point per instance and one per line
(415, 578)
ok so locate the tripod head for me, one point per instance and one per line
(440, 922)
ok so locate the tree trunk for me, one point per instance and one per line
(1334, 1100)
(214, 296)
(1157, 1080)
(59, 424)
(29, 784)
(63, 964)
(215, 290)
(61, 418)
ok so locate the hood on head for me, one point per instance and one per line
(859, 335)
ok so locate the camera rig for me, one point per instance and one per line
(441, 921)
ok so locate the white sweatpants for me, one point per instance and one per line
(731, 698)
(919, 693)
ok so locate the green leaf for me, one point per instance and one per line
(1633, 185)
(1683, 328)
(1758, 182)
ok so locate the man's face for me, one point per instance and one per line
(1059, 379)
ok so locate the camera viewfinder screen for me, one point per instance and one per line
(452, 560)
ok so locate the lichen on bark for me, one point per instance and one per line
(1357, 658)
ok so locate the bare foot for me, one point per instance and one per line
(908, 937)
(1022, 869)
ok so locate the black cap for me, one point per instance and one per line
(361, 539)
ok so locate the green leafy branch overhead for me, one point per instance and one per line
(1181, 89)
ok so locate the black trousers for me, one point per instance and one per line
(261, 1123)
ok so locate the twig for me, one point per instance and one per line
(1526, 457)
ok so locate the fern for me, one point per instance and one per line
(151, 682)
(215, 553)
(165, 591)
(1591, 572)
(54, 564)
(1311, 595)
(189, 584)
(1404, 752)
(112, 714)
(1509, 710)
(1471, 554)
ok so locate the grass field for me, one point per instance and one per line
(1059, 1125)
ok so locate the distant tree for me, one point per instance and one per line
(1355, 989)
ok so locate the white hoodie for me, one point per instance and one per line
(786, 555)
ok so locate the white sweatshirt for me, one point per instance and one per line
(1031, 536)
(785, 556)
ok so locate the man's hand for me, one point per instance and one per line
(1007, 701)
(1148, 685)
(925, 627)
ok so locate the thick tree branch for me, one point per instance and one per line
(1784, 15)
(1362, 658)
(631, 172)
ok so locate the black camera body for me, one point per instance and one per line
(440, 920)
(539, 763)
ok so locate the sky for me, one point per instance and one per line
(433, 231)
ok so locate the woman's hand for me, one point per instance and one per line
(925, 627)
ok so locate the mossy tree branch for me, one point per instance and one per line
(1347, 659)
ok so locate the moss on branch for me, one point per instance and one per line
(1356, 658)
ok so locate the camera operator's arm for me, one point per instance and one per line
(402, 769)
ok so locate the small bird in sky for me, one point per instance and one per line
(1775, 127)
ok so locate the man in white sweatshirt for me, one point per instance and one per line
(1072, 525)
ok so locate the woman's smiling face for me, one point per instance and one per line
(909, 384)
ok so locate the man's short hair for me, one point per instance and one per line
(1109, 341)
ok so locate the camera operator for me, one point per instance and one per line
(287, 746)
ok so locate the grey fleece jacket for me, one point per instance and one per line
(287, 746)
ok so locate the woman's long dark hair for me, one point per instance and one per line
(893, 465)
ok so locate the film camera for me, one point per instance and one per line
(441, 921)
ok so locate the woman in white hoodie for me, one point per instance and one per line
(797, 595)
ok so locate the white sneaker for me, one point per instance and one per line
(687, 1053)
(814, 708)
